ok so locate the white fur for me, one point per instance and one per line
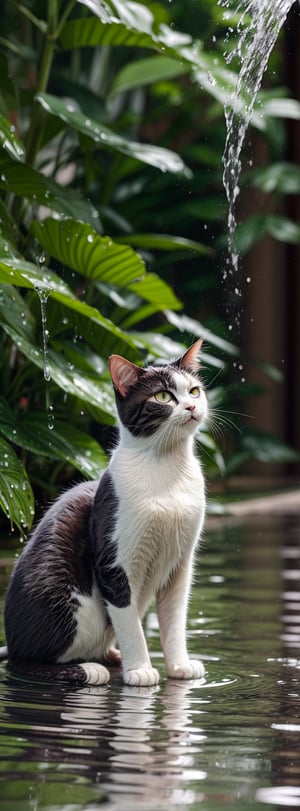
(93, 639)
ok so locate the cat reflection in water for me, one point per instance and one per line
(105, 549)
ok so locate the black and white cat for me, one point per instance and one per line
(105, 549)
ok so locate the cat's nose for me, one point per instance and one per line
(191, 407)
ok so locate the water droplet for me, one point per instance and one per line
(90, 238)
(50, 418)
(43, 295)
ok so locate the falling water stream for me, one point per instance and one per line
(260, 22)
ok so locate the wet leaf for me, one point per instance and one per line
(53, 438)
(78, 246)
(102, 334)
(9, 141)
(69, 111)
(33, 185)
(16, 496)
(63, 441)
(95, 393)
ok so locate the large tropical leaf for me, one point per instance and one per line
(82, 249)
(53, 438)
(16, 496)
(95, 393)
(33, 185)
(101, 259)
(156, 291)
(165, 242)
(146, 71)
(69, 111)
(120, 23)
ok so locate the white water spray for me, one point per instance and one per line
(258, 28)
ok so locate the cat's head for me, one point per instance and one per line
(167, 402)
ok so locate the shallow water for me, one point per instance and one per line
(231, 741)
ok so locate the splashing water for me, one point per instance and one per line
(258, 28)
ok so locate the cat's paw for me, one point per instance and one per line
(189, 669)
(141, 677)
(95, 673)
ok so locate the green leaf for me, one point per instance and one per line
(165, 242)
(80, 247)
(146, 71)
(255, 227)
(192, 327)
(130, 24)
(21, 273)
(267, 448)
(211, 450)
(91, 33)
(54, 439)
(16, 496)
(247, 233)
(9, 140)
(33, 185)
(282, 177)
(99, 331)
(95, 393)
(283, 229)
(281, 108)
(69, 112)
(62, 441)
(156, 291)
(15, 312)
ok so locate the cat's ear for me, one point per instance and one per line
(123, 373)
(191, 358)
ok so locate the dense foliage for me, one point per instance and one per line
(111, 133)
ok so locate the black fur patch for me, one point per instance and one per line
(70, 674)
(137, 413)
(111, 579)
(40, 611)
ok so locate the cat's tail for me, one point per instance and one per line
(81, 674)
(3, 653)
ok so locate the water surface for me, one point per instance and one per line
(229, 741)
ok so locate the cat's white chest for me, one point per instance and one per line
(160, 513)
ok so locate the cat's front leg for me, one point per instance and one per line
(172, 601)
(137, 668)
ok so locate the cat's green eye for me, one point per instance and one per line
(163, 396)
(195, 391)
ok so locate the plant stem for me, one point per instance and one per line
(53, 31)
